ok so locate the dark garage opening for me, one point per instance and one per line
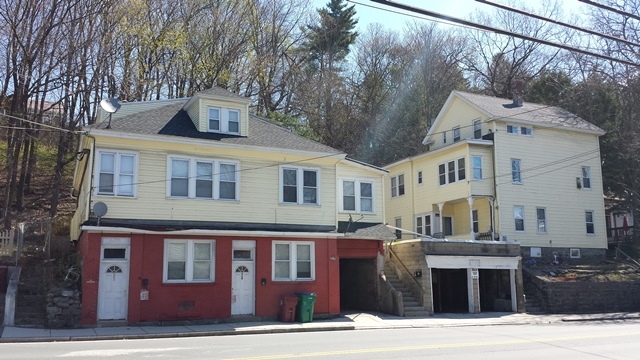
(358, 284)
(450, 293)
(495, 290)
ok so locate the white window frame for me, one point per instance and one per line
(477, 129)
(189, 261)
(422, 227)
(586, 177)
(455, 133)
(117, 187)
(457, 171)
(475, 168)
(224, 120)
(300, 170)
(519, 208)
(192, 177)
(475, 217)
(519, 130)
(541, 221)
(358, 195)
(592, 222)
(397, 185)
(293, 260)
(518, 172)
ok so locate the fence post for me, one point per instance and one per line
(19, 242)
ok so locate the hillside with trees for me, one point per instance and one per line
(370, 92)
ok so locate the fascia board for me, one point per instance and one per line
(125, 230)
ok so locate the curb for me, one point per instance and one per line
(176, 335)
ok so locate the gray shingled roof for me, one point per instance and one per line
(220, 92)
(172, 121)
(499, 108)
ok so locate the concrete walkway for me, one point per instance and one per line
(347, 321)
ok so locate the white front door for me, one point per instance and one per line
(244, 278)
(113, 283)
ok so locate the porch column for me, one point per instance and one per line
(493, 220)
(440, 206)
(473, 234)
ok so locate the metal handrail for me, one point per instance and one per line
(408, 273)
(628, 258)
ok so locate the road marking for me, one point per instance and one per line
(434, 346)
(113, 352)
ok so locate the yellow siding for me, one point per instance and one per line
(458, 114)
(431, 192)
(484, 186)
(551, 159)
(400, 206)
(345, 170)
(258, 187)
(203, 113)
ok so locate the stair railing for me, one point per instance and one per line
(414, 286)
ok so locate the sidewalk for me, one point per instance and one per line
(347, 321)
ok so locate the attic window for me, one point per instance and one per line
(519, 130)
(223, 120)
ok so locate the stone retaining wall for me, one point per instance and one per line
(63, 308)
(567, 297)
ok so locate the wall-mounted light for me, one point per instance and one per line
(332, 258)
(263, 282)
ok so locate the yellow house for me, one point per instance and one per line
(501, 180)
(196, 209)
(498, 170)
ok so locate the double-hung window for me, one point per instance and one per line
(477, 167)
(423, 224)
(224, 120)
(456, 133)
(397, 185)
(541, 214)
(299, 185)
(203, 179)
(452, 171)
(477, 129)
(519, 130)
(586, 177)
(293, 261)
(357, 196)
(588, 216)
(189, 261)
(516, 171)
(116, 173)
(518, 217)
(476, 221)
(419, 177)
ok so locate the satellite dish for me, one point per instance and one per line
(100, 209)
(110, 105)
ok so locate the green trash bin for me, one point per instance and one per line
(304, 310)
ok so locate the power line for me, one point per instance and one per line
(500, 31)
(40, 124)
(535, 16)
(609, 8)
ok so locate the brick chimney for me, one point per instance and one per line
(517, 91)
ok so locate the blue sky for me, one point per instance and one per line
(370, 12)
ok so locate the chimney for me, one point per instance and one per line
(517, 91)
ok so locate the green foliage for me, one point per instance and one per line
(299, 127)
(328, 42)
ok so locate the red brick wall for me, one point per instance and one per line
(205, 301)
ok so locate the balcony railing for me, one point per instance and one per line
(620, 234)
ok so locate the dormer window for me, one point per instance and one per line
(224, 120)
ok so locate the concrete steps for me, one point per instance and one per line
(532, 304)
(412, 307)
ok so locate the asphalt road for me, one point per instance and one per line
(585, 340)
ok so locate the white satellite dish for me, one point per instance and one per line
(100, 209)
(110, 105)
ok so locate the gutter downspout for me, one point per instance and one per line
(495, 187)
(92, 158)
